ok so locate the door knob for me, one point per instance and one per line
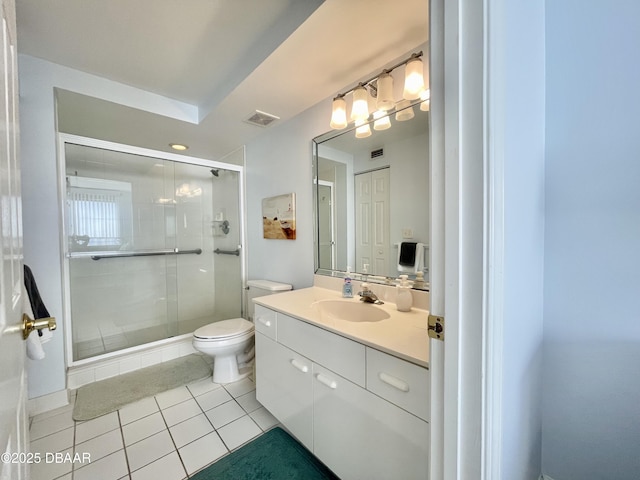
(29, 325)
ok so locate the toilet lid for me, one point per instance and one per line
(224, 329)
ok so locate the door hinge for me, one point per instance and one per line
(436, 327)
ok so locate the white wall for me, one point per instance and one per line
(522, 90)
(277, 163)
(41, 209)
(591, 425)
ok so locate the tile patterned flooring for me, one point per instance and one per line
(170, 436)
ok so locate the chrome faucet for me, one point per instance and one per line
(367, 296)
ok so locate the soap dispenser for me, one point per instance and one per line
(404, 298)
(347, 286)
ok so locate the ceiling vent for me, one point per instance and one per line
(378, 153)
(261, 119)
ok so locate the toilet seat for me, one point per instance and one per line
(224, 330)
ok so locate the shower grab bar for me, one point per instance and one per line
(235, 252)
(197, 251)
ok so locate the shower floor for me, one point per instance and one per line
(107, 338)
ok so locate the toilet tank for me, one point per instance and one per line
(260, 288)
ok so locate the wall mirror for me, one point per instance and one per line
(371, 200)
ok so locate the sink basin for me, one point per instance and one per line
(351, 311)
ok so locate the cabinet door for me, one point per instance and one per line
(284, 387)
(361, 436)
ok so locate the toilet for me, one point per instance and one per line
(231, 342)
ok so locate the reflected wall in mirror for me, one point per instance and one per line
(371, 196)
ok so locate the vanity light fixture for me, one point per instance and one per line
(404, 111)
(363, 130)
(380, 88)
(382, 121)
(360, 108)
(179, 146)
(413, 78)
(339, 113)
(425, 96)
(385, 99)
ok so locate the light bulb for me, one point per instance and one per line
(382, 120)
(385, 92)
(360, 108)
(339, 113)
(413, 79)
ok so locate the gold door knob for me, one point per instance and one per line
(29, 325)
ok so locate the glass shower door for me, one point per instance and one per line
(141, 235)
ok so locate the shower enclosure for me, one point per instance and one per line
(153, 245)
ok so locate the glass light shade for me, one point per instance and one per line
(382, 120)
(425, 96)
(339, 113)
(413, 79)
(404, 111)
(363, 130)
(360, 108)
(385, 92)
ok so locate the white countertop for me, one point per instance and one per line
(403, 335)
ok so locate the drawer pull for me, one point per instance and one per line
(394, 382)
(326, 381)
(299, 365)
(266, 323)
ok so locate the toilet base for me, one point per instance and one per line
(225, 370)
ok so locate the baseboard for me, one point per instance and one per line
(545, 477)
(47, 402)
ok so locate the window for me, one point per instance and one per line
(99, 213)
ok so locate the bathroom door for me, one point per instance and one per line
(13, 419)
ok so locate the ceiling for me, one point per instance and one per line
(228, 58)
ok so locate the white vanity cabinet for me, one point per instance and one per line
(317, 384)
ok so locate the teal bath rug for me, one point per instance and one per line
(274, 455)
(109, 395)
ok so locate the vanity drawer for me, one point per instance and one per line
(341, 355)
(265, 321)
(402, 383)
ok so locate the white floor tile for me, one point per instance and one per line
(56, 442)
(203, 386)
(263, 418)
(213, 398)
(48, 425)
(49, 471)
(240, 388)
(92, 428)
(168, 467)
(181, 412)
(149, 450)
(172, 397)
(111, 467)
(56, 411)
(101, 446)
(202, 452)
(248, 402)
(190, 430)
(239, 432)
(143, 428)
(225, 413)
(135, 411)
